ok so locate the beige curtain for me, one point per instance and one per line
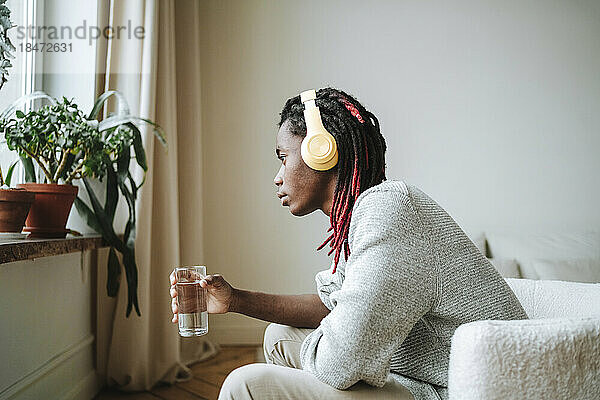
(160, 77)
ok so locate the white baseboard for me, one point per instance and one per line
(86, 389)
(50, 379)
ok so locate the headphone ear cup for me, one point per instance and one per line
(319, 151)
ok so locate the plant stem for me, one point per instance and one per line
(73, 175)
(52, 159)
(77, 170)
(61, 166)
(36, 158)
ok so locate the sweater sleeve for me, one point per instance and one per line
(327, 283)
(389, 285)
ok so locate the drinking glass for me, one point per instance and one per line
(191, 301)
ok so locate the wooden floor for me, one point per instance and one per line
(208, 377)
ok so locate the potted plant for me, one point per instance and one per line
(122, 141)
(14, 207)
(80, 147)
(59, 138)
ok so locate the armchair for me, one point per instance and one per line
(553, 355)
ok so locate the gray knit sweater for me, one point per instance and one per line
(413, 276)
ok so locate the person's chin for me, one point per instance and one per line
(298, 212)
(293, 210)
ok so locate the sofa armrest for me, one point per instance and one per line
(525, 359)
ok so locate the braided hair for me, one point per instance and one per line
(361, 160)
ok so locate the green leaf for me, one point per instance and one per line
(128, 232)
(127, 252)
(138, 147)
(123, 107)
(114, 121)
(112, 193)
(88, 215)
(129, 238)
(25, 99)
(118, 120)
(130, 196)
(132, 281)
(158, 132)
(29, 169)
(128, 256)
(107, 230)
(9, 174)
(123, 165)
(20, 114)
(113, 273)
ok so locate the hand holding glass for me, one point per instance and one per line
(191, 301)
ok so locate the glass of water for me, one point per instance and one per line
(191, 301)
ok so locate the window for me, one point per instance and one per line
(22, 74)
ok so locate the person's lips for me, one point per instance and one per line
(283, 197)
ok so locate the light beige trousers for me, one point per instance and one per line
(282, 376)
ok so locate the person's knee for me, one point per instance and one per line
(273, 334)
(244, 382)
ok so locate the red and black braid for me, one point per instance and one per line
(361, 161)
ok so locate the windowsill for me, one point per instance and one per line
(28, 249)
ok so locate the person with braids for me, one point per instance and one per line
(403, 277)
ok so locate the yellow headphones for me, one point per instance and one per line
(319, 149)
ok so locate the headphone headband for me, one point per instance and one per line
(308, 95)
(318, 149)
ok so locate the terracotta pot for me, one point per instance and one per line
(14, 206)
(50, 210)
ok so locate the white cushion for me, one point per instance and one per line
(478, 240)
(555, 299)
(507, 267)
(523, 246)
(574, 270)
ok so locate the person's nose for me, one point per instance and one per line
(279, 177)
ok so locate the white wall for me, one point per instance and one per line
(489, 107)
(47, 330)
